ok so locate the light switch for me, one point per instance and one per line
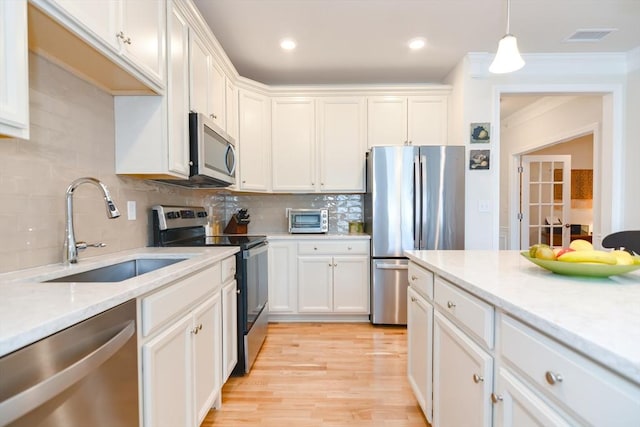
(483, 206)
(131, 210)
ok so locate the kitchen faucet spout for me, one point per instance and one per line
(70, 245)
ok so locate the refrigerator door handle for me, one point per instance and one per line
(417, 194)
(423, 208)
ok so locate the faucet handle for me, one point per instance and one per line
(85, 245)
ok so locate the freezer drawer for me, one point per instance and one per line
(389, 291)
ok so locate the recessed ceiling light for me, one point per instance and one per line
(417, 43)
(288, 44)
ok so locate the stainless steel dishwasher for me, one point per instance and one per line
(85, 375)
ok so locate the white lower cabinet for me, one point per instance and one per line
(333, 284)
(420, 350)
(283, 255)
(462, 378)
(516, 405)
(230, 328)
(526, 379)
(180, 362)
(181, 350)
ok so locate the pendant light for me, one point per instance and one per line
(508, 57)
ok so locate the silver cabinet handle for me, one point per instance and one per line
(24, 402)
(553, 378)
(451, 304)
(477, 378)
(495, 398)
(335, 265)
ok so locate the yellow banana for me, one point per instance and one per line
(599, 257)
(623, 257)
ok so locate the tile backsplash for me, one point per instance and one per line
(268, 210)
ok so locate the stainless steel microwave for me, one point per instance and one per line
(308, 220)
(212, 153)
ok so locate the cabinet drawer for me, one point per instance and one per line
(421, 280)
(161, 306)
(334, 248)
(228, 268)
(592, 393)
(474, 315)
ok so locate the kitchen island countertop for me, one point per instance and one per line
(599, 317)
(31, 310)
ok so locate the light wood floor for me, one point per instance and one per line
(320, 374)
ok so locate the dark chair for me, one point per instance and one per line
(628, 240)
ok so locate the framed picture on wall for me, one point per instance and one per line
(480, 133)
(479, 159)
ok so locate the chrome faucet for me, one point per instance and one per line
(71, 247)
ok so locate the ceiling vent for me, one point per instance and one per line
(592, 35)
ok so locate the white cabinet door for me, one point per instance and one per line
(282, 277)
(217, 97)
(229, 329)
(178, 92)
(517, 405)
(351, 284)
(231, 95)
(315, 290)
(100, 18)
(199, 65)
(342, 144)
(293, 144)
(143, 28)
(207, 355)
(14, 69)
(427, 120)
(420, 350)
(167, 377)
(254, 143)
(387, 120)
(462, 378)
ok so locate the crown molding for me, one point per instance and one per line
(555, 64)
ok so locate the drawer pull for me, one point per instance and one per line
(413, 299)
(495, 398)
(553, 378)
(451, 304)
(349, 248)
(477, 378)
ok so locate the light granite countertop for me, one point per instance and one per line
(31, 310)
(599, 317)
(297, 236)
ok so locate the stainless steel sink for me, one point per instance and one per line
(119, 272)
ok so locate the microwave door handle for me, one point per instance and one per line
(232, 169)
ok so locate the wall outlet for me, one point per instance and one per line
(483, 206)
(131, 210)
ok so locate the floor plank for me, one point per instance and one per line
(322, 374)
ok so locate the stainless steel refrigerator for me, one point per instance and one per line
(414, 200)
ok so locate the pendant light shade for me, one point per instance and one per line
(508, 57)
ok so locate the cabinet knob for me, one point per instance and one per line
(495, 398)
(315, 248)
(414, 278)
(451, 304)
(238, 291)
(335, 265)
(477, 378)
(194, 331)
(413, 299)
(553, 378)
(348, 248)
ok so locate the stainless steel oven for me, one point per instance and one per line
(184, 226)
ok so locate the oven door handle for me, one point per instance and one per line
(246, 254)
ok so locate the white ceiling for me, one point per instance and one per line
(365, 41)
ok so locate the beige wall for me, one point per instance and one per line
(72, 135)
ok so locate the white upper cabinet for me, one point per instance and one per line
(341, 144)
(199, 64)
(130, 32)
(14, 70)
(413, 120)
(231, 95)
(208, 82)
(254, 144)
(141, 35)
(387, 120)
(293, 144)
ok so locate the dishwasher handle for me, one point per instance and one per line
(22, 403)
(387, 266)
